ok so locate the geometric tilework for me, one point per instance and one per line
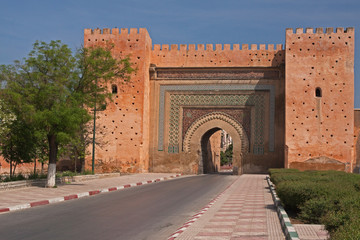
(178, 100)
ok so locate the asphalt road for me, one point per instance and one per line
(152, 211)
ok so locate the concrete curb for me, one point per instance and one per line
(81, 195)
(286, 225)
(59, 180)
(197, 215)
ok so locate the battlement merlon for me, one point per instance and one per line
(115, 31)
(328, 30)
(99, 37)
(218, 47)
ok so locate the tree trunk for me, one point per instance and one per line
(34, 166)
(10, 168)
(15, 164)
(82, 161)
(51, 176)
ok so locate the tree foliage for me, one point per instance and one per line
(226, 157)
(53, 89)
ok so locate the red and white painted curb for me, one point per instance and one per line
(195, 217)
(81, 195)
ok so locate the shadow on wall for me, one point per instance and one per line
(209, 165)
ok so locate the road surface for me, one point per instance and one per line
(152, 211)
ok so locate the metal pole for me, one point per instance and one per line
(93, 149)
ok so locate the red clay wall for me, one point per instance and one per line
(220, 56)
(124, 125)
(319, 130)
(357, 141)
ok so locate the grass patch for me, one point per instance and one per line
(321, 197)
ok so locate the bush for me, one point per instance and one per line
(17, 177)
(348, 231)
(37, 176)
(67, 174)
(326, 197)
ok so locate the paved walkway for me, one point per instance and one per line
(244, 211)
(15, 199)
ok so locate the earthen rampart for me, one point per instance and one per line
(319, 92)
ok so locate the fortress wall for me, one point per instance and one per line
(217, 56)
(319, 92)
(357, 141)
(124, 126)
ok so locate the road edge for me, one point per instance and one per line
(83, 194)
(288, 229)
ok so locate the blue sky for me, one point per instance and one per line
(22, 22)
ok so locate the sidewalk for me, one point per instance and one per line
(20, 198)
(243, 211)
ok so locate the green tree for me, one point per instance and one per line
(53, 90)
(17, 145)
(226, 157)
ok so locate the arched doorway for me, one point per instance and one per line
(210, 151)
(196, 140)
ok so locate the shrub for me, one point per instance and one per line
(17, 177)
(37, 176)
(314, 209)
(348, 231)
(326, 197)
(68, 173)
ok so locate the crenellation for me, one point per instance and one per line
(309, 30)
(157, 47)
(143, 31)
(165, 47)
(88, 31)
(115, 31)
(349, 30)
(299, 30)
(106, 31)
(133, 31)
(329, 30)
(319, 30)
(289, 31)
(218, 47)
(174, 47)
(97, 31)
(124, 31)
(339, 30)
